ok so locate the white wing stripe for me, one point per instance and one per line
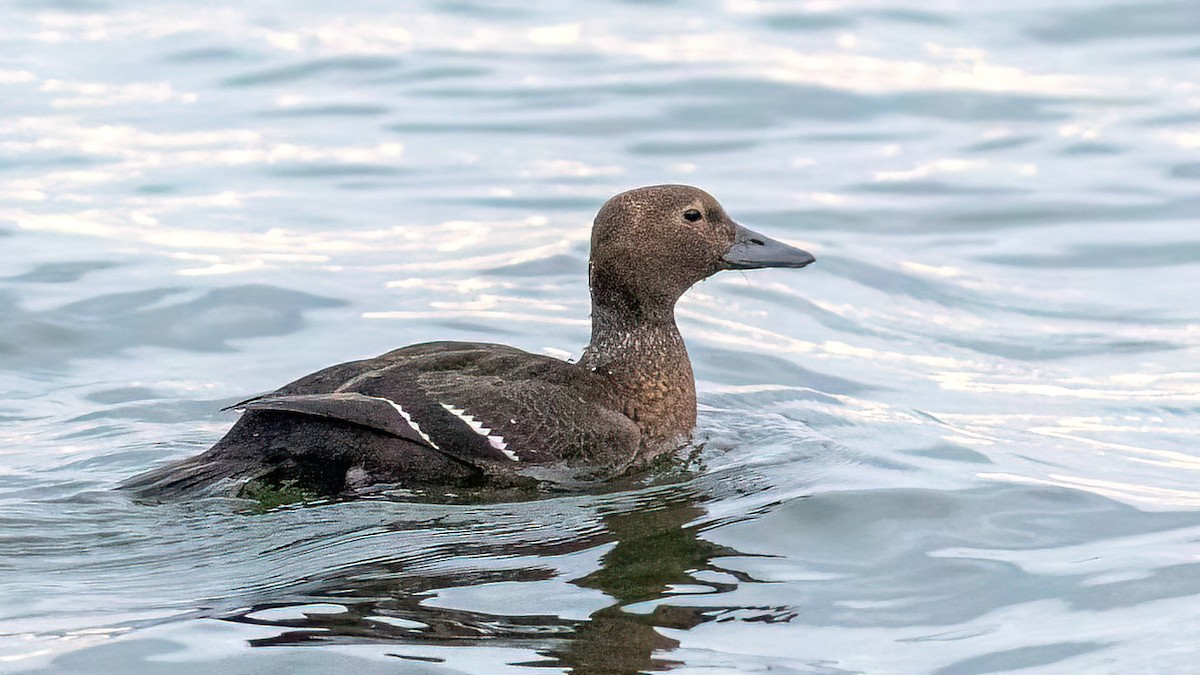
(409, 420)
(496, 440)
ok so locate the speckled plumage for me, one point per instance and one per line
(452, 414)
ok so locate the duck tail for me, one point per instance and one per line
(200, 476)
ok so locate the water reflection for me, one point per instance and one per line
(656, 552)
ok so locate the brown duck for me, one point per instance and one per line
(461, 414)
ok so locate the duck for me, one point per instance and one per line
(449, 415)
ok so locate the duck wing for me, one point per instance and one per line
(366, 411)
(474, 402)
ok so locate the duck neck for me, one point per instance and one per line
(639, 350)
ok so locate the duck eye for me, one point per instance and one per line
(692, 215)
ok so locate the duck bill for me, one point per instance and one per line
(751, 250)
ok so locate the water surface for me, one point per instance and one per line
(964, 442)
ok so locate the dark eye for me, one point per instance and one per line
(692, 215)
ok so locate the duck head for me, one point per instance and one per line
(651, 244)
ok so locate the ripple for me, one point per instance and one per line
(309, 69)
(330, 110)
(115, 322)
(1093, 149)
(1108, 256)
(1121, 22)
(62, 272)
(1022, 657)
(1189, 171)
(204, 55)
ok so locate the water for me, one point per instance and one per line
(964, 442)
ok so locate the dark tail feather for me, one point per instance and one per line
(309, 453)
(200, 476)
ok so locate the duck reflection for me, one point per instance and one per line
(654, 550)
(657, 547)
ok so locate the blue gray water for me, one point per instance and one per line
(964, 442)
